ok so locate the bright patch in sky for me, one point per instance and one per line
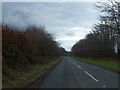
(68, 21)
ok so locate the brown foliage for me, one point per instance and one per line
(22, 47)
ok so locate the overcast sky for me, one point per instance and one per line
(68, 21)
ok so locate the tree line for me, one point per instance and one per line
(22, 47)
(104, 39)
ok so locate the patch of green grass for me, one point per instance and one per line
(105, 63)
(22, 78)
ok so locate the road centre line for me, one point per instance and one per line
(88, 74)
(78, 66)
(104, 86)
(74, 63)
(91, 76)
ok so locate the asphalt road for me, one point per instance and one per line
(70, 73)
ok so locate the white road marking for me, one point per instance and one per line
(74, 63)
(81, 69)
(78, 66)
(91, 76)
(104, 86)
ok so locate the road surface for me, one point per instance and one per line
(70, 73)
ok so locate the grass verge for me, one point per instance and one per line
(22, 78)
(105, 63)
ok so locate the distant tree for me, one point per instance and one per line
(44, 42)
(63, 51)
(24, 47)
(111, 18)
(105, 35)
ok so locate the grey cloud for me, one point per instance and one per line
(21, 14)
(64, 14)
(70, 34)
(58, 18)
